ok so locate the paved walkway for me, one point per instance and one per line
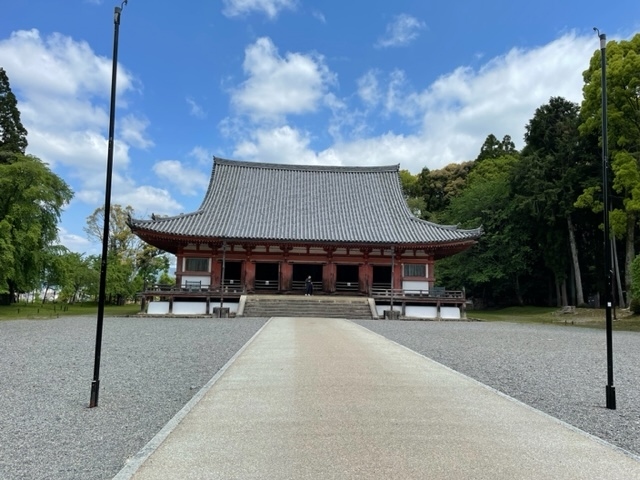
(328, 399)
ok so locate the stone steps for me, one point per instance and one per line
(302, 306)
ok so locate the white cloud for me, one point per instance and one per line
(386, 149)
(132, 130)
(41, 111)
(442, 123)
(195, 109)
(75, 243)
(270, 8)
(400, 99)
(189, 181)
(368, 88)
(146, 200)
(344, 121)
(403, 30)
(59, 66)
(319, 16)
(278, 86)
(277, 145)
(453, 116)
(502, 96)
(83, 152)
(202, 155)
(63, 89)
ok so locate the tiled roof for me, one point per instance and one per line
(296, 203)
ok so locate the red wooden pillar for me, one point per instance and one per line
(397, 273)
(249, 276)
(216, 272)
(431, 273)
(179, 262)
(286, 276)
(365, 278)
(329, 271)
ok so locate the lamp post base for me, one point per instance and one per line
(95, 389)
(611, 397)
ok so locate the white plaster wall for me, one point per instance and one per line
(232, 306)
(158, 308)
(189, 308)
(421, 311)
(204, 281)
(415, 285)
(450, 313)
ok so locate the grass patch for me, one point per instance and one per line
(515, 314)
(54, 310)
(583, 317)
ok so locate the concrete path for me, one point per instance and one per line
(328, 399)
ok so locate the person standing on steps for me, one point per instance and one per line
(308, 284)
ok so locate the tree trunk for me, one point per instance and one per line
(12, 292)
(622, 301)
(44, 297)
(564, 293)
(518, 292)
(576, 263)
(558, 292)
(630, 250)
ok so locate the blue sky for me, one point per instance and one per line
(289, 81)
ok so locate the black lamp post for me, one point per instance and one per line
(95, 384)
(610, 389)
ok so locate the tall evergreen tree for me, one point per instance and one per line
(31, 201)
(623, 113)
(495, 268)
(13, 136)
(548, 179)
(494, 148)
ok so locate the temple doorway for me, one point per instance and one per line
(381, 277)
(232, 279)
(347, 278)
(267, 275)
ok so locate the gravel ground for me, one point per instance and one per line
(559, 370)
(150, 369)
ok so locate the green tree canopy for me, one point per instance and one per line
(494, 148)
(13, 136)
(623, 114)
(491, 269)
(439, 187)
(121, 238)
(31, 201)
(131, 263)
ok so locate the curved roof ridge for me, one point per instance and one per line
(300, 167)
(446, 227)
(166, 218)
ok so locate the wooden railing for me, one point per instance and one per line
(301, 285)
(195, 286)
(262, 285)
(377, 292)
(399, 293)
(347, 286)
